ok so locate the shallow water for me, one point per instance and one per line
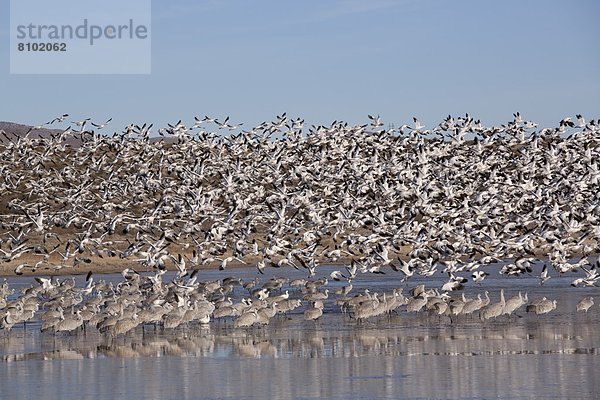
(405, 356)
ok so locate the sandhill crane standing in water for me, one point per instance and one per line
(585, 304)
(70, 323)
(541, 306)
(514, 303)
(315, 312)
(246, 319)
(494, 310)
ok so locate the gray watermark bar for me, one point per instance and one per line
(80, 37)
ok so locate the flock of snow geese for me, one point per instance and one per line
(460, 199)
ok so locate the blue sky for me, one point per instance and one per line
(331, 60)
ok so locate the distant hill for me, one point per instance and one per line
(14, 130)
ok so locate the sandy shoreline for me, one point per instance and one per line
(112, 265)
(102, 266)
(117, 265)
